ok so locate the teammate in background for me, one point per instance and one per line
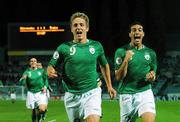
(12, 93)
(135, 68)
(80, 58)
(39, 65)
(49, 89)
(36, 81)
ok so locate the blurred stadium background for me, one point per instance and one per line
(109, 21)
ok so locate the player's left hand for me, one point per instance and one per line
(99, 83)
(151, 76)
(112, 92)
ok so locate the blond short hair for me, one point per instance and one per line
(79, 15)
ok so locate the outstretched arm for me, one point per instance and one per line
(22, 80)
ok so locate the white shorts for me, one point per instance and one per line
(134, 105)
(13, 96)
(80, 106)
(35, 99)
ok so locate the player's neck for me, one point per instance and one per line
(33, 68)
(83, 41)
(138, 47)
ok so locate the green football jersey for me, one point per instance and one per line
(36, 79)
(143, 61)
(79, 64)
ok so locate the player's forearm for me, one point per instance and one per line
(22, 80)
(122, 71)
(103, 72)
(106, 74)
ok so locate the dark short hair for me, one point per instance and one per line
(135, 23)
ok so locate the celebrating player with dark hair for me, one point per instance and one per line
(135, 68)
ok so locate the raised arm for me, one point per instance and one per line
(22, 80)
(122, 71)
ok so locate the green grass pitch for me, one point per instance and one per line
(167, 111)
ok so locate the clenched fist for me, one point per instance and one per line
(51, 72)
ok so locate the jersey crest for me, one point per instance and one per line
(147, 56)
(56, 55)
(91, 49)
(118, 60)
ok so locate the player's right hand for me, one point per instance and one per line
(129, 54)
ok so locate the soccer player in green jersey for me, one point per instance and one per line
(135, 68)
(36, 81)
(12, 93)
(80, 58)
(39, 65)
